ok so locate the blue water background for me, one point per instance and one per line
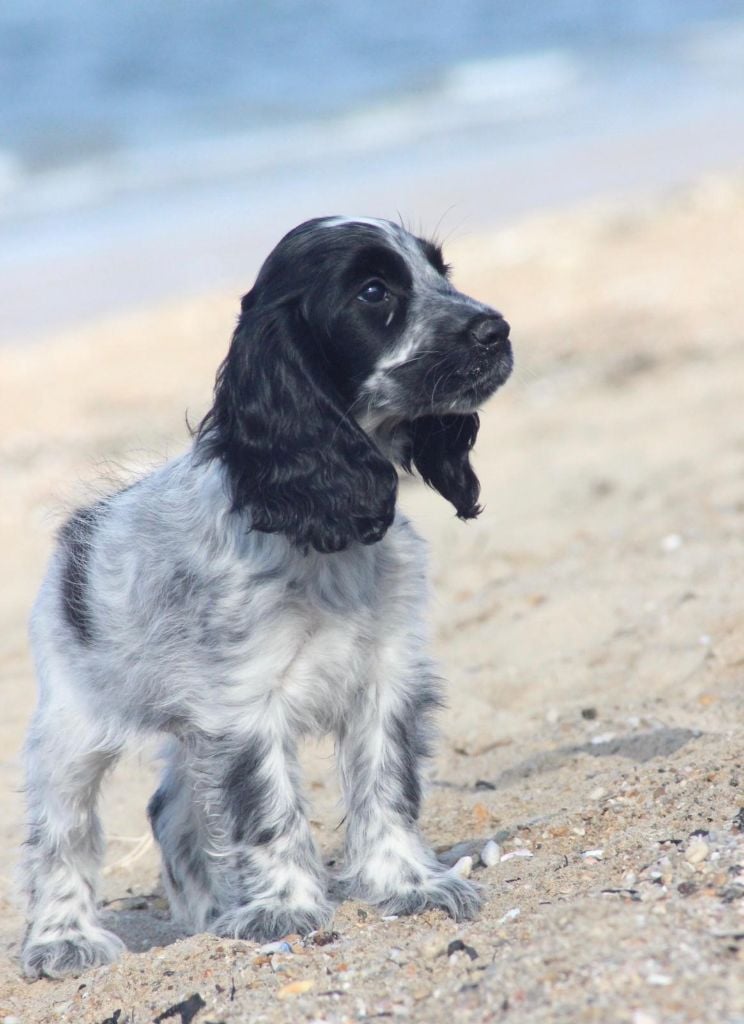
(139, 116)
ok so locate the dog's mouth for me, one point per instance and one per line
(469, 387)
(463, 391)
(485, 382)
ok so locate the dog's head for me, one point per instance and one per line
(352, 349)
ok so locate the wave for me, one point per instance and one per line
(467, 97)
(716, 45)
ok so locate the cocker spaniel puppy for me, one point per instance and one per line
(260, 588)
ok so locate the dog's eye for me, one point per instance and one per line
(374, 292)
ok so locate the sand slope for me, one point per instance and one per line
(590, 624)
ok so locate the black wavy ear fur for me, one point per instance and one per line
(440, 450)
(294, 459)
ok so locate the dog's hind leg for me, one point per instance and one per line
(67, 756)
(258, 847)
(178, 827)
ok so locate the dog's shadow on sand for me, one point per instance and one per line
(140, 924)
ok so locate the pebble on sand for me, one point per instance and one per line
(295, 988)
(491, 853)
(280, 946)
(510, 915)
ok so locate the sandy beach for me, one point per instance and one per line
(590, 626)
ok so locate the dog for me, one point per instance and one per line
(260, 588)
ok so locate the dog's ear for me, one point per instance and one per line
(439, 447)
(295, 460)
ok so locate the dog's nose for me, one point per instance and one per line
(490, 330)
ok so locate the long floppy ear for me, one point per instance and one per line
(440, 450)
(295, 461)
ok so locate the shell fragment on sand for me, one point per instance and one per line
(490, 854)
(463, 867)
(513, 854)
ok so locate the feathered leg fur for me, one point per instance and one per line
(64, 845)
(382, 748)
(238, 855)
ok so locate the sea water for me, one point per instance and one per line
(154, 147)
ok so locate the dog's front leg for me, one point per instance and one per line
(382, 744)
(266, 873)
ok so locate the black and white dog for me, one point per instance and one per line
(260, 588)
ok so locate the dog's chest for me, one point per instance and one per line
(327, 622)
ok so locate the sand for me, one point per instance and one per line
(590, 625)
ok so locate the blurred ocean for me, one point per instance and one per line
(133, 134)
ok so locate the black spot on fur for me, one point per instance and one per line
(76, 537)
(410, 733)
(181, 585)
(172, 878)
(406, 769)
(246, 793)
(155, 807)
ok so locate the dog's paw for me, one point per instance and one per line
(446, 891)
(439, 889)
(265, 921)
(59, 958)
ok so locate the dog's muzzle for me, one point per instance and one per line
(490, 360)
